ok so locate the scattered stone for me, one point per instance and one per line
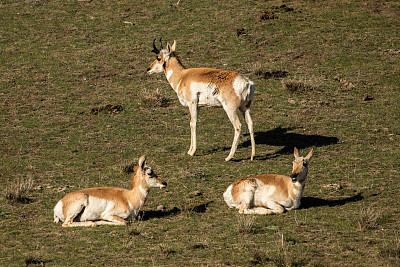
(129, 23)
(160, 207)
(333, 186)
(344, 83)
(347, 84)
(196, 193)
(62, 189)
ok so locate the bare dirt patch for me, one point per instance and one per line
(271, 74)
(268, 14)
(295, 86)
(110, 109)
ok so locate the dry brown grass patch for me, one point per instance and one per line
(368, 219)
(19, 191)
(152, 99)
(297, 86)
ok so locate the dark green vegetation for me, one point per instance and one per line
(327, 75)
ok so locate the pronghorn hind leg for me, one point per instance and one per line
(194, 110)
(73, 205)
(246, 114)
(233, 117)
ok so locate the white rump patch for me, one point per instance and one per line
(58, 214)
(228, 197)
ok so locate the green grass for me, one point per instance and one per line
(60, 59)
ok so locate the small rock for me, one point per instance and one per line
(333, 186)
(196, 193)
(160, 207)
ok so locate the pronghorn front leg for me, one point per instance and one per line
(257, 210)
(194, 109)
(111, 219)
(233, 117)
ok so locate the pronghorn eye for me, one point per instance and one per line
(158, 58)
(149, 171)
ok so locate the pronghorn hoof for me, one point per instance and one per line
(228, 158)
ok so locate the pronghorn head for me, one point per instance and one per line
(300, 166)
(147, 175)
(162, 58)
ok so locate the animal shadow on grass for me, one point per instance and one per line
(147, 215)
(280, 137)
(308, 202)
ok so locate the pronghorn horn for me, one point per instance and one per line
(155, 50)
(161, 44)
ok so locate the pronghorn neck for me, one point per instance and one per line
(299, 185)
(172, 70)
(134, 177)
(303, 177)
(139, 190)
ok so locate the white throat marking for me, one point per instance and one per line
(144, 192)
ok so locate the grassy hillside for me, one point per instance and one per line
(327, 77)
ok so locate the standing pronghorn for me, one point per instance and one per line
(270, 193)
(108, 205)
(207, 87)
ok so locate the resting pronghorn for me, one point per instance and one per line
(207, 87)
(270, 193)
(108, 205)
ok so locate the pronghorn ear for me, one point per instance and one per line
(142, 162)
(173, 47)
(309, 156)
(296, 153)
